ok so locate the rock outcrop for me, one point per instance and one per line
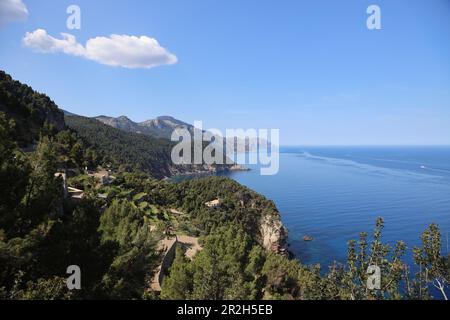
(273, 234)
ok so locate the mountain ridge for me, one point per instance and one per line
(159, 127)
(164, 126)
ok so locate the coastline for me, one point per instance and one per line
(205, 171)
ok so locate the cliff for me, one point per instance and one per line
(273, 233)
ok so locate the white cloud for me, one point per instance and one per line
(128, 51)
(12, 10)
(41, 41)
(116, 50)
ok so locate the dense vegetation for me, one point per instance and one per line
(41, 233)
(30, 109)
(111, 233)
(232, 266)
(130, 151)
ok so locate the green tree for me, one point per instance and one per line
(431, 262)
(44, 193)
(131, 269)
(281, 277)
(178, 285)
(14, 172)
(54, 288)
(218, 271)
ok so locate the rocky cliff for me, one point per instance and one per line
(273, 233)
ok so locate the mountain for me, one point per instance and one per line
(127, 150)
(29, 109)
(120, 141)
(133, 151)
(163, 127)
(35, 114)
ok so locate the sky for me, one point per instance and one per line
(310, 68)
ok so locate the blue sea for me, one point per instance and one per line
(334, 193)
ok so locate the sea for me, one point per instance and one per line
(332, 194)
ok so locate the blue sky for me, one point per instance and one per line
(310, 68)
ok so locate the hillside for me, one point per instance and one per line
(129, 150)
(35, 114)
(29, 109)
(133, 151)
